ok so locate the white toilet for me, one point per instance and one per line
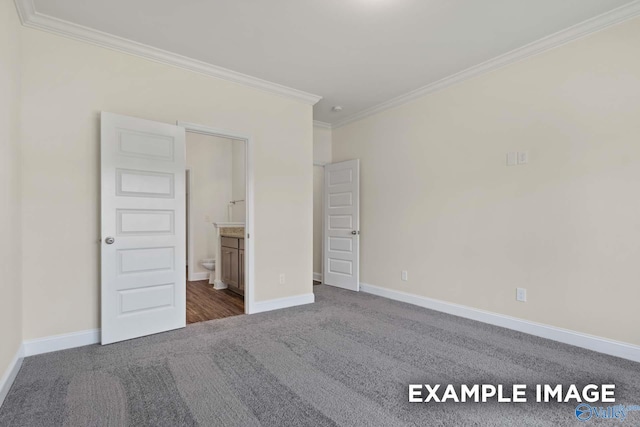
(210, 264)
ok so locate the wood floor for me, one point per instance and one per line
(205, 303)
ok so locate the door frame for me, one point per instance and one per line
(190, 262)
(322, 165)
(249, 202)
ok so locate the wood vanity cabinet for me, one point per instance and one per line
(241, 265)
(232, 265)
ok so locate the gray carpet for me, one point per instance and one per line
(346, 360)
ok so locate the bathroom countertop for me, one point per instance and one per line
(237, 232)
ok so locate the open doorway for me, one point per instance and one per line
(216, 188)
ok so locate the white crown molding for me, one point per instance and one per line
(33, 19)
(7, 379)
(566, 336)
(583, 29)
(323, 125)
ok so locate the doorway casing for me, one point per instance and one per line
(249, 206)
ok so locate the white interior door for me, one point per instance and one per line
(342, 224)
(143, 227)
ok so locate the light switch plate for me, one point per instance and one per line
(512, 158)
(523, 157)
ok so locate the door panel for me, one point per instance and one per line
(143, 227)
(137, 183)
(145, 222)
(145, 260)
(241, 269)
(342, 222)
(229, 267)
(234, 271)
(149, 298)
(225, 265)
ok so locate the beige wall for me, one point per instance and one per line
(321, 154)
(321, 145)
(438, 200)
(209, 161)
(65, 85)
(10, 245)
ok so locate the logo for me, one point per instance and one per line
(583, 412)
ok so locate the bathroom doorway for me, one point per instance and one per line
(218, 283)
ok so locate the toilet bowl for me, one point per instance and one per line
(209, 264)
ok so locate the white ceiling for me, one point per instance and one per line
(353, 53)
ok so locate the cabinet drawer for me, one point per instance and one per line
(240, 243)
(230, 242)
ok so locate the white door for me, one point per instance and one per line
(342, 224)
(143, 227)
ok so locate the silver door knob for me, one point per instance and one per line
(109, 240)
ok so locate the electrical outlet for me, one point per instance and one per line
(282, 278)
(521, 294)
(523, 157)
(405, 275)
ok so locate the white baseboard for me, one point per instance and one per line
(61, 342)
(10, 375)
(590, 342)
(92, 336)
(201, 275)
(276, 304)
(317, 276)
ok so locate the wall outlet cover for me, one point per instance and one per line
(521, 294)
(523, 157)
